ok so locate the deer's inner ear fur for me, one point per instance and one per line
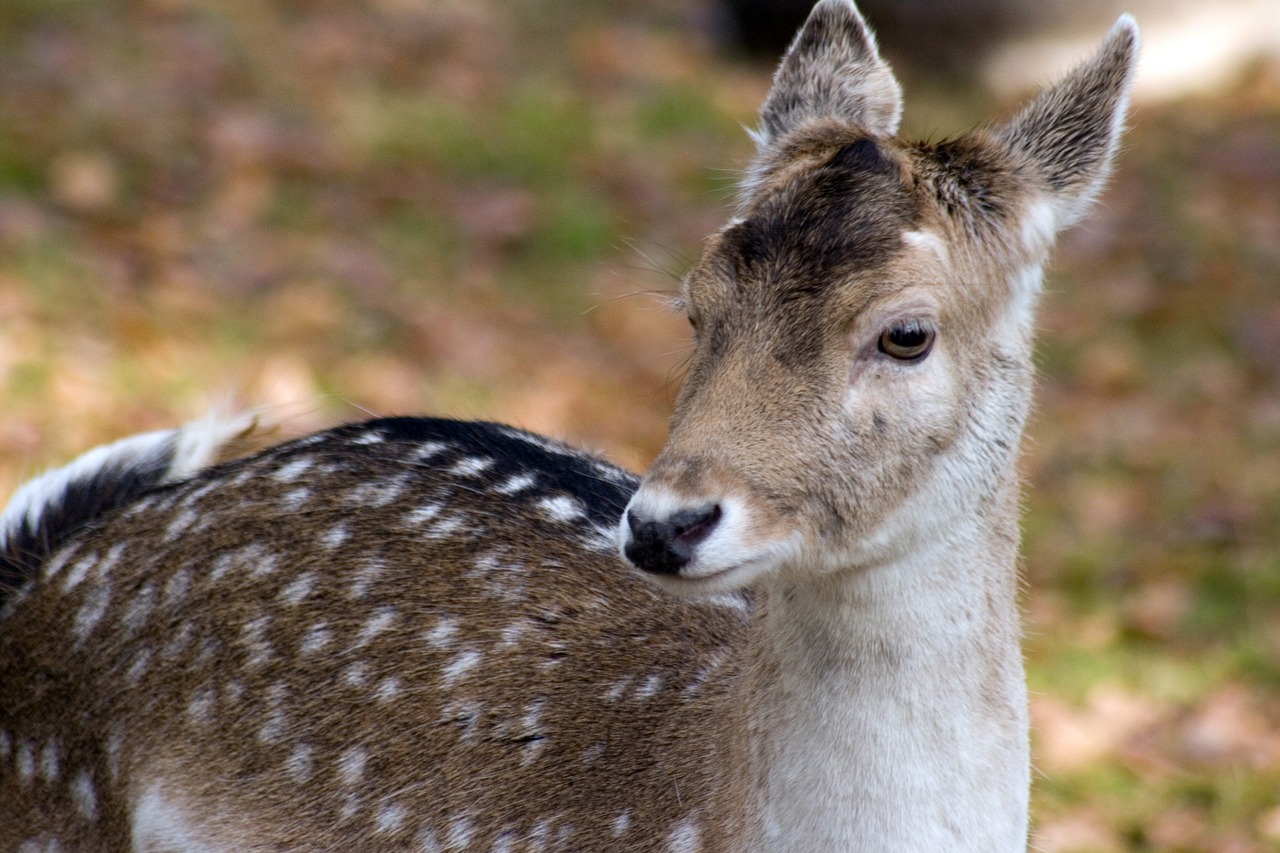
(831, 70)
(1065, 139)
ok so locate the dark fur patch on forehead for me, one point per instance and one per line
(970, 179)
(843, 216)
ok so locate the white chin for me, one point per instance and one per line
(700, 582)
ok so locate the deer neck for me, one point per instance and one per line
(890, 703)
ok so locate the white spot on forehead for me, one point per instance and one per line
(621, 823)
(299, 763)
(351, 764)
(561, 508)
(927, 241)
(299, 589)
(294, 469)
(470, 466)
(334, 536)
(516, 483)
(390, 818)
(685, 838)
(458, 668)
(316, 638)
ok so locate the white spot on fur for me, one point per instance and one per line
(78, 571)
(621, 823)
(685, 838)
(200, 708)
(138, 668)
(446, 527)
(177, 587)
(139, 608)
(179, 641)
(50, 761)
(423, 514)
(294, 499)
(561, 508)
(428, 842)
(300, 763)
(180, 523)
(112, 749)
(254, 636)
(471, 466)
(388, 689)
(617, 689)
(441, 636)
(381, 621)
(272, 730)
(593, 754)
(316, 638)
(458, 668)
(334, 536)
(390, 818)
(293, 470)
(364, 578)
(351, 765)
(299, 589)
(516, 483)
(25, 761)
(91, 613)
(649, 688)
(369, 438)
(512, 633)
(929, 242)
(357, 674)
(505, 842)
(221, 566)
(459, 833)
(84, 795)
(429, 449)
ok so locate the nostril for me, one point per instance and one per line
(691, 526)
(665, 546)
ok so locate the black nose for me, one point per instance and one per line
(664, 547)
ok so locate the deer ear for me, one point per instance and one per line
(1068, 134)
(832, 69)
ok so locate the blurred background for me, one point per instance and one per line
(473, 207)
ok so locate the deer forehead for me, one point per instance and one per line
(840, 223)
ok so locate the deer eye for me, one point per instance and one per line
(907, 341)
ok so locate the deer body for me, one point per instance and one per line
(417, 634)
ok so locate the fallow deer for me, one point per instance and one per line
(798, 632)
